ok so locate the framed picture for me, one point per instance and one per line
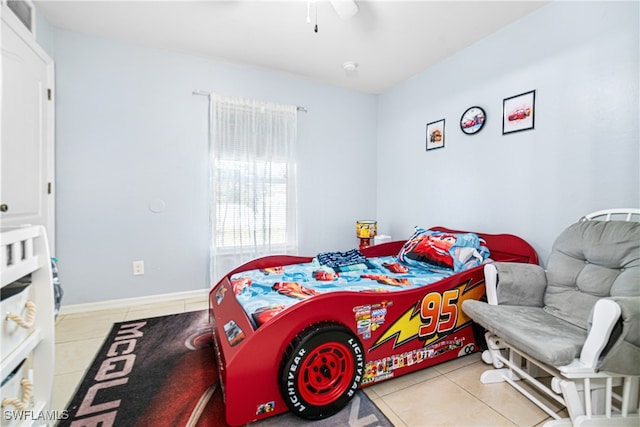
(518, 112)
(435, 135)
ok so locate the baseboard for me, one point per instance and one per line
(131, 302)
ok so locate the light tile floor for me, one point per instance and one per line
(449, 394)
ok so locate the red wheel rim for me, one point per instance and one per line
(326, 374)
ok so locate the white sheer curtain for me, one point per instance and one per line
(253, 181)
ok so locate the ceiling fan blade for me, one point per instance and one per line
(345, 8)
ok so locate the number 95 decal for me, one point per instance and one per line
(431, 317)
(438, 312)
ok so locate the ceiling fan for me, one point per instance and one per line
(345, 9)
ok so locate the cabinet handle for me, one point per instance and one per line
(31, 316)
(4, 207)
(23, 403)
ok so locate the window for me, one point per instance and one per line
(251, 206)
(253, 182)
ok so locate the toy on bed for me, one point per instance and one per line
(306, 333)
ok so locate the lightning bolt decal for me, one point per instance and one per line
(409, 325)
(472, 292)
(404, 329)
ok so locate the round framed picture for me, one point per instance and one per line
(472, 120)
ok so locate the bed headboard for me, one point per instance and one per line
(503, 247)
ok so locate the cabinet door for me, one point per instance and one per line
(26, 154)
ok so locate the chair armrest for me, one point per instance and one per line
(512, 283)
(605, 315)
(613, 342)
(622, 350)
(630, 307)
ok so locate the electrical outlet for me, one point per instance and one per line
(138, 268)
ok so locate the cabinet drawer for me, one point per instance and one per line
(16, 304)
(17, 386)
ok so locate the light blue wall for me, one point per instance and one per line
(584, 155)
(44, 34)
(130, 132)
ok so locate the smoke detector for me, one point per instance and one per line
(350, 66)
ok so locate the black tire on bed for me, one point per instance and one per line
(321, 371)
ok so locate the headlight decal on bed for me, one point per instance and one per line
(265, 408)
(235, 334)
(432, 316)
(220, 294)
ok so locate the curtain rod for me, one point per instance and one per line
(205, 93)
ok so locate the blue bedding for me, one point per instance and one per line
(266, 292)
(428, 256)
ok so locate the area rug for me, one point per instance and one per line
(161, 372)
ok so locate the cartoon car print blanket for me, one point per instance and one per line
(428, 256)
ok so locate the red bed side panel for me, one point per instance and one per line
(401, 332)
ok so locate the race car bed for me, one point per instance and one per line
(303, 334)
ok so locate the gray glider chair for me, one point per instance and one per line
(572, 330)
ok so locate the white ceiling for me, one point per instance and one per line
(389, 40)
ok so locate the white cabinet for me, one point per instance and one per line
(27, 332)
(26, 197)
(27, 149)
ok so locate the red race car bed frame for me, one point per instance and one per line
(311, 359)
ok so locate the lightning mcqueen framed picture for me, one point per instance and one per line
(518, 112)
(292, 334)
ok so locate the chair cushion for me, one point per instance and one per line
(591, 260)
(531, 330)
